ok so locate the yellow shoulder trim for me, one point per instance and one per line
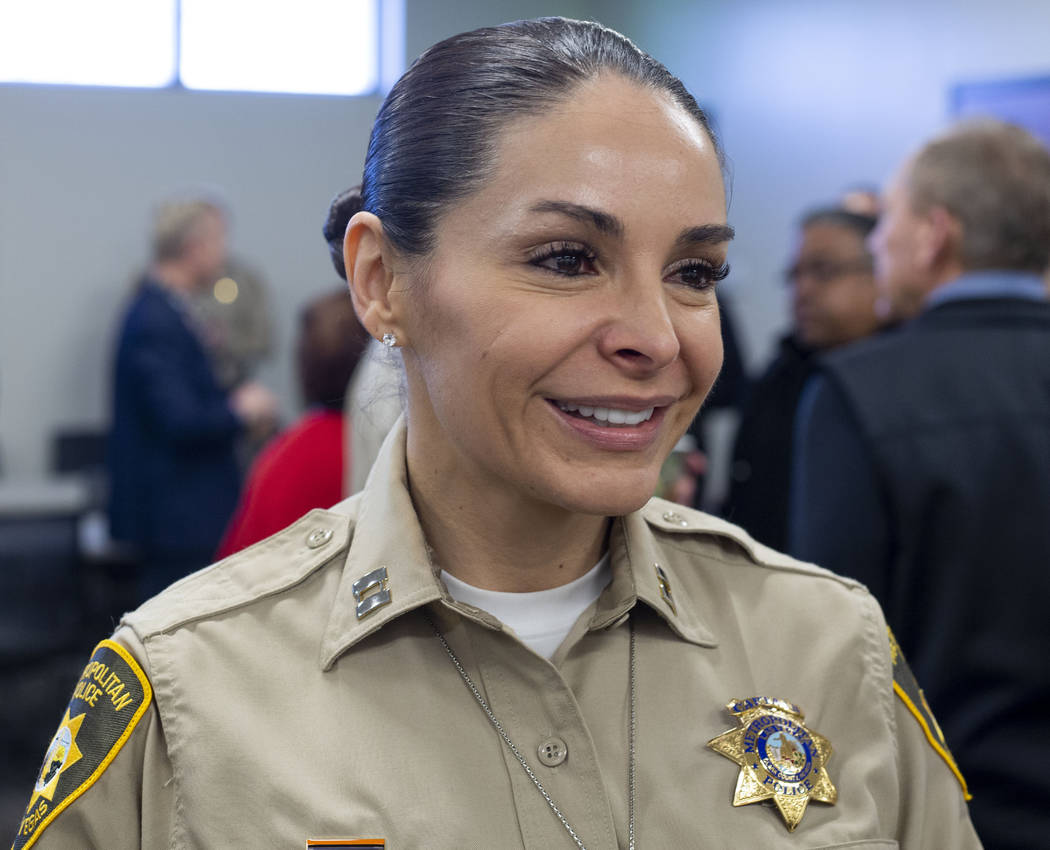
(934, 742)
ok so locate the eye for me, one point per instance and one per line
(565, 258)
(698, 274)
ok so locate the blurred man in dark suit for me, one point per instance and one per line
(924, 460)
(174, 478)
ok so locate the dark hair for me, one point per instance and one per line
(331, 341)
(342, 209)
(434, 136)
(859, 223)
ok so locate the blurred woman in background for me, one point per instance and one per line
(305, 466)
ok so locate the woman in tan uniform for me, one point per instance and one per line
(502, 642)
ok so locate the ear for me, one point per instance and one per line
(939, 237)
(370, 261)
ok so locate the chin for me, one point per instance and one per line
(608, 495)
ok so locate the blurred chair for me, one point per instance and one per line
(39, 605)
(62, 584)
(41, 616)
(78, 450)
(107, 572)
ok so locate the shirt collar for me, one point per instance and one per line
(387, 536)
(989, 283)
(640, 572)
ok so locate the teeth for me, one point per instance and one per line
(609, 415)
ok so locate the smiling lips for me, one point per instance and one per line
(615, 424)
(608, 417)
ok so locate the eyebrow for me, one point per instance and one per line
(706, 234)
(601, 221)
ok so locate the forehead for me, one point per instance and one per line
(610, 144)
(825, 237)
(897, 195)
(210, 222)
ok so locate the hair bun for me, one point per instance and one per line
(342, 209)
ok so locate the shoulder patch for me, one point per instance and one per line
(109, 700)
(907, 688)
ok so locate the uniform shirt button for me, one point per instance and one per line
(553, 752)
(318, 538)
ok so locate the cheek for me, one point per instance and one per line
(850, 309)
(474, 362)
(441, 325)
(702, 351)
(900, 244)
(840, 301)
(866, 294)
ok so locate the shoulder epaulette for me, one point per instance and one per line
(261, 570)
(678, 519)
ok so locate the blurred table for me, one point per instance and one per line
(51, 496)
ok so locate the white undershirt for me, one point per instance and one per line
(542, 618)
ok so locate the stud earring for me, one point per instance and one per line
(389, 340)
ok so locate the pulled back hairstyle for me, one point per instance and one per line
(343, 207)
(435, 135)
(994, 178)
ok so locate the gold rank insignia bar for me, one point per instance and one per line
(780, 759)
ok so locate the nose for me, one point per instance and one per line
(640, 336)
(803, 286)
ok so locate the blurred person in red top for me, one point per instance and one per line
(303, 467)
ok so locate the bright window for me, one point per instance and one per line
(88, 42)
(307, 47)
(341, 47)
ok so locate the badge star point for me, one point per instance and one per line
(749, 789)
(779, 758)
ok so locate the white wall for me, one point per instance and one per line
(80, 170)
(79, 173)
(815, 95)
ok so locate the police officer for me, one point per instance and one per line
(502, 642)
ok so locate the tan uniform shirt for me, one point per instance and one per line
(279, 716)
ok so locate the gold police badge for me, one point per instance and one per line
(780, 759)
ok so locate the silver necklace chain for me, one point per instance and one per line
(630, 743)
(525, 765)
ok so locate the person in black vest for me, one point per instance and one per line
(833, 298)
(923, 464)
